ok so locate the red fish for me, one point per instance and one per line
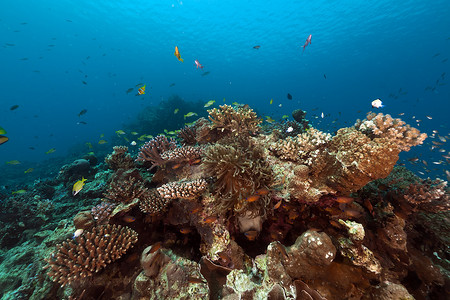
(198, 64)
(308, 41)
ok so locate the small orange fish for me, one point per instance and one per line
(141, 90)
(156, 247)
(277, 206)
(369, 206)
(132, 258)
(196, 210)
(251, 235)
(185, 230)
(210, 219)
(342, 199)
(176, 166)
(197, 161)
(177, 54)
(293, 215)
(225, 258)
(192, 279)
(335, 224)
(252, 198)
(262, 192)
(352, 213)
(129, 219)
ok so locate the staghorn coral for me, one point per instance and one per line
(241, 120)
(125, 190)
(183, 189)
(120, 159)
(305, 147)
(394, 130)
(89, 253)
(151, 151)
(240, 169)
(152, 203)
(102, 212)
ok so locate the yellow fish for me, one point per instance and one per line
(78, 186)
(134, 133)
(101, 142)
(50, 151)
(271, 101)
(120, 132)
(89, 145)
(102, 135)
(141, 90)
(19, 192)
(13, 162)
(29, 170)
(177, 54)
(209, 103)
(269, 120)
(142, 137)
(235, 103)
(285, 117)
(176, 111)
(2, 130)
(190, 114)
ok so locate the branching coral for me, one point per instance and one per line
(151, 151)
(240, 169)
(89, 253)
(431, 196)
(152, 202)
(183, 189)
(125, 190)
(394, 130)
(235, 121)
(182, 154)
(187, 135)
(120, 158)
(102, 212)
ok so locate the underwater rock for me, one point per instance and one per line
(359, 255)
(75, 171)
(83, 220)
(168, 276)
(388, 291)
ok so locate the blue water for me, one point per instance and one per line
(366, 51)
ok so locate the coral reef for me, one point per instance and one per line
(267, 214)
(89, 253)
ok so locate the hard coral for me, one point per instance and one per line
(120, 158)
(152, 202)
(234, 121)
(125, 190)
(182, 154)
(151, 151)
(305, 147)
(89, 253)
(240, 169)
(394, 130)
(183, 189)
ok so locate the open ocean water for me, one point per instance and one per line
(59, 58)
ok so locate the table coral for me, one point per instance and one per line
(394, 130)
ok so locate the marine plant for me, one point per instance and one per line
(237, 120)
